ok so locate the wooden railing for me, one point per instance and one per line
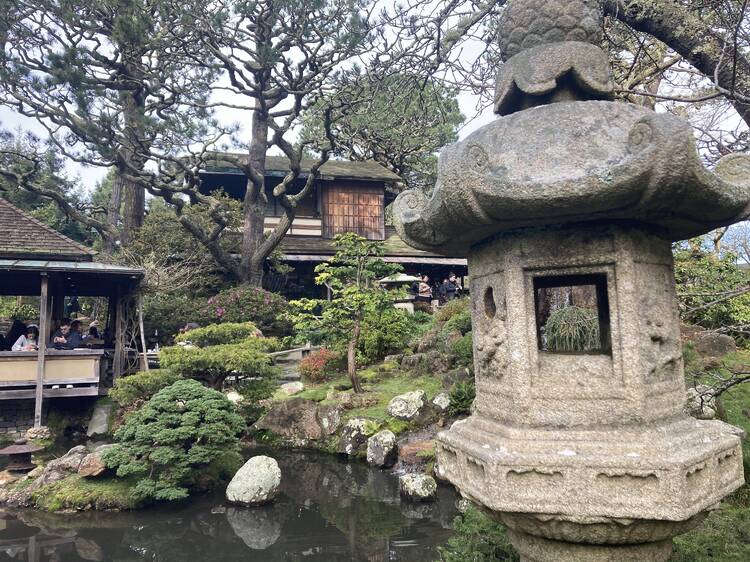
(77, 372)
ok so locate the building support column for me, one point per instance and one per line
(42, 348)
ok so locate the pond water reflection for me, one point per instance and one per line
(329, 510)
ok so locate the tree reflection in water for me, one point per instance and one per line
(329, 510)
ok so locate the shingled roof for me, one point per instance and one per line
(333, 169)
(22, 236)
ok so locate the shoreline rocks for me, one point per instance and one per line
(418, 487)
(382, 450)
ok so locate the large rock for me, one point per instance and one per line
(292, 388)
(259, 529)
(60, 468)
(329, 418)
(382, 450)
(407, 406)
(6, 478)
(89, 550)
(295, 420)
(701, 403)
(353, 436)
(715, 345)
(93, 464)
(419, 487)
(99, 425)
(256, 483)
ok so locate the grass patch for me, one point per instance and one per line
(77, 493)
(723, 537)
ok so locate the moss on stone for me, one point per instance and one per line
(78, 494)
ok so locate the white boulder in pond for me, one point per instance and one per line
(418, 487)
(256, 483)
(382, 450)
(407, 406)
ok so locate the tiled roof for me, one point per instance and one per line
(333, 169)
(23, 236)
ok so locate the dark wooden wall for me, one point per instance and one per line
(350, 206)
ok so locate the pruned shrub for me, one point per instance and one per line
(384, 332)
(459, 322)
(451, 308)
(464, 351)
(175, 439)
(268, 311)
(218, 334)
(319, 364)
(572, 329)
(131, 390)
(212, 365)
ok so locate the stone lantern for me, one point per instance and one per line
(19, 455)
(585, 455)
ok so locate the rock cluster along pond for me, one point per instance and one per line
(585, 455)
(256, 483)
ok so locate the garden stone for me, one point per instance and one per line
(292, 388)
(256, 483)
(329, 418)
(407, 406)
(353, 436)
(7, 478)
(382, 450)
(419, 487)
(41, 432)
(701, 403)
(93, 464)
(234, 397)
(442, 401)
(89, 550)
(295, 420)
(259, 529)
(60, 468)
(99, 424)
(715, 345)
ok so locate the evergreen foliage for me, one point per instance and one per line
(132, 390)
(478, 539)
(175, 436)
(218, 334)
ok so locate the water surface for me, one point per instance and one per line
(329, 510)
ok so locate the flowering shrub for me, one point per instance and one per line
(267, 310)
(316, 366)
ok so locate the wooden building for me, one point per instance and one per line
(37, 261)
(348, 197)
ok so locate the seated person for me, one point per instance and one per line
(17, 330)
(93, 331)
(28, 341)
(63, 337)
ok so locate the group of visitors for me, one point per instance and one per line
(68, 335)
(448, 290)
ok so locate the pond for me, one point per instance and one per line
(329, 510)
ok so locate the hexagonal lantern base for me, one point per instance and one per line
(585, 455)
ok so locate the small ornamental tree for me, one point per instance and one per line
(351, 278)
(181, 431)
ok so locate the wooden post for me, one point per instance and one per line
(42, 348)
(119, 336)
(144, 356)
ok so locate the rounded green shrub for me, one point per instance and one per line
(131, 390)
(462, 395)
(218, 334)
(213, 364)
(459, 322)
(572, 329)
(464, 351)
(451, 308)
(174, 439)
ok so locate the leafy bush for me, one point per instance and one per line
(214, 364)
(462, 395)
(451, 308)
(217, 334)
(268, 311)
(173, 438)
(319, 364)
(572, 328)
(464, 351)
(384, 332)
(478, 539)
(134, 389)
(459, 322)
(167, 313)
